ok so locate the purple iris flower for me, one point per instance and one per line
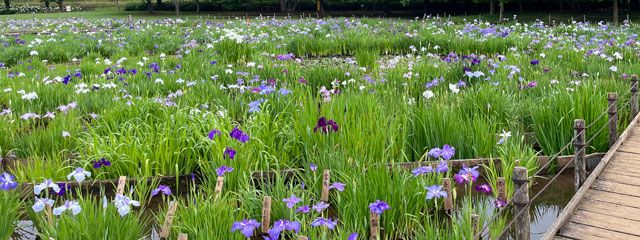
(353, 236)
(255, 106)
(484, 188)
(434, 152)
(442, 167)
(313, 167)
(228, 152)
(213, 133)
(320, 206)
(326, 222)
(292, 201)
(304, 209)
(63, 189)
(246, 227)
(220, 171)
(435, 191)
(338, 186)
(239, 135)
(324, 125)
(466, 175)
(447, 152)
(161, 189)
(100, 163)
(534, 62)
(7, 181)
(422, 170)
(281, 225)
(499, 203)
(378, 207)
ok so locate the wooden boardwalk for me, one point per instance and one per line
(607, 206)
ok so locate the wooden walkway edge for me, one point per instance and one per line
(607, 206)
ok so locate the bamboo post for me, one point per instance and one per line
(374, 225)
(446, 187)
(613, 117)
(121, 182)
(501, 184)
(634, 96)
(303, 238)
(475, 223)
(166, 227)
(580, 153)
(520, 202)
(218, 190)
(183, 236)
(326, 179)
(266, 213)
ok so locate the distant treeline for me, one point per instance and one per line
(428, 6)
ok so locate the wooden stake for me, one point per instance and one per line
(50, 215)
(303, 238)
(613, 117)
(520, 202)
(326, 180)
(374, 224)
(446, 187)
(121, 182)
(168, 219)
(219, 183)
(183, 236)
(501, 185)
(475, 223)
(266, 213)
(579, 147)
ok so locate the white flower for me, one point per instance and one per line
(428, 94)
(122, 204)
(68, 205)
(48, 183)
(251, 64)
(64, 133)
(228, 71)
(505, 134)
(159, 81)
(79, 174)
(613, 68)
(41, 203)
(140, 64)
(179, 80)
(454, 88)
(33, 53)
(30, 96)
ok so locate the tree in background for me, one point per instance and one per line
(492, 7)
(176, 3)
(60, 4)
(197, 7)
(501, 11)
(288, 5)
(7, 4)
(47, 3)
(149, 5)
(615, 11)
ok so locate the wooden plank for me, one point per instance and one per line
(606, 208)
(562, 238)
(607, 222)
(623, 167)
(619, 188)
(614, 198)
(574, 230)
(612, 176)
(568, 210)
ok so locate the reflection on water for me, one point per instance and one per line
(544, 210)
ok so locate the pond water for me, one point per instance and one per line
(544, 210)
